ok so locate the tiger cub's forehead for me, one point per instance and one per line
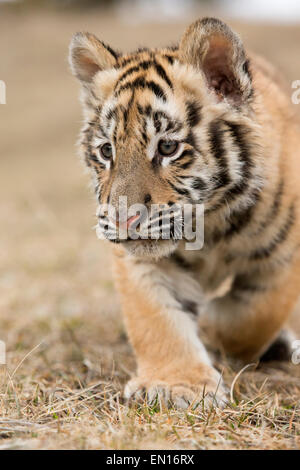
(150, 85)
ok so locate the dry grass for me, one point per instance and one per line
(67, 354)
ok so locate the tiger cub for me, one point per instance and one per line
(201, 124)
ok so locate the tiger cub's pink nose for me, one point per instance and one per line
(127, 223)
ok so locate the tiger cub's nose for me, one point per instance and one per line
(125, 224)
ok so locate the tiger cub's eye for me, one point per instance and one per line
(106, 151)
(167, 148)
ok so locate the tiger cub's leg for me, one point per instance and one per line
(281, 349)
(248, 320)
(172, 363)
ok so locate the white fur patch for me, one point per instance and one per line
(104, 82)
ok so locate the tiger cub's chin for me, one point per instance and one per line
(155, 249)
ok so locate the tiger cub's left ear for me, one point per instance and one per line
(212, 47)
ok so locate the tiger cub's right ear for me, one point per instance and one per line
(88, 55)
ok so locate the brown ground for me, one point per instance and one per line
(67, 354)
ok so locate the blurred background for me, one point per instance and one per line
(55, 280)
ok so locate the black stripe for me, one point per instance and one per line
(193, 113)
(173, 48)
(185, 164)
(230, 195)
(246, 285)
(185, 153)
(126, 110)
(112, 113)
(180, 261)
(145, 110)
(129, 71)
(240, 219)
(239, 134)
(218, 150)
(169, 58)
(199, 184)
(113, 53)
(144, 49)
(157, 123)
(174, 126)
(101, 128)
(190, 139)
(158, 115)
(188, 306)
(181, 191)
(98, 192)
(128, 60)
(162, 73)
(280, 237)
(89, 133)
(156, 160)
(144, 65)
(144, 137)
(244, 282)
(237, 190)
(92, 158)
(140, 82)
(247, 70)
(271, 215)
(148, 110)
(115, 133)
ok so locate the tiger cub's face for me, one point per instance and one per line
(160, 130)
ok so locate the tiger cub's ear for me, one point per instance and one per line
(88, 55)
(212, 47)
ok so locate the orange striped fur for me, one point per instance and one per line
(205, 123)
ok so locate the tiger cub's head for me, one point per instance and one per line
(163, 128)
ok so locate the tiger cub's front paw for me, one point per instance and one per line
(181, 395)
